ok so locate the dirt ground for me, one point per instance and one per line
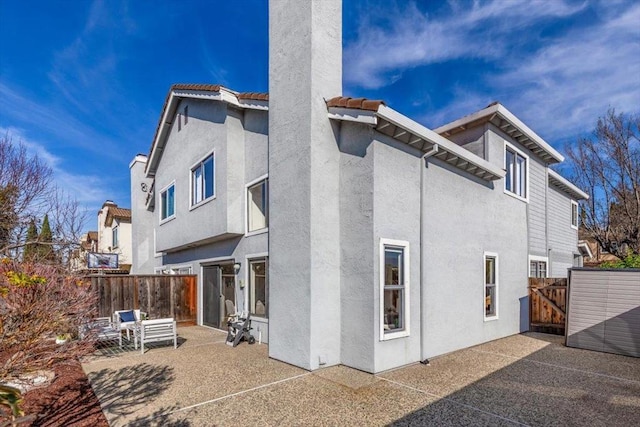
(68, 401)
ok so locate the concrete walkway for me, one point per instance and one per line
(529, 379)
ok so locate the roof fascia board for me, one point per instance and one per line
(563, 181)
(508, 116)
(517, 123)
(353, 115)
(157, 147)
(406, 123)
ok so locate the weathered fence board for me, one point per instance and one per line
(547, 305)
(158, 295)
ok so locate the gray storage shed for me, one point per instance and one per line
(603, 310)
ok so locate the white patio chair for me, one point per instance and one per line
(126, 324)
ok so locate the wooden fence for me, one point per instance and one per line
(547, 305)
(157, 295)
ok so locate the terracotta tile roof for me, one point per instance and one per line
(195, 86)
(254, 95)
(356, 103)
(120, 213)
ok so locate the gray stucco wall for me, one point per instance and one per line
(210, 127)
(464, 218)
(305, 45)
(143, 260)
(358, 254)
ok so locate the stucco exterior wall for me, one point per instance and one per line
(143, 259)
(357, 251)
(212, 127)
(305, 46)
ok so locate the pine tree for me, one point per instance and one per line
(31, 248)
(45, 246)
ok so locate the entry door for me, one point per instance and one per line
(211, 296)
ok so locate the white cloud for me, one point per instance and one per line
(87, 189)
(559, 88)
(413, 38)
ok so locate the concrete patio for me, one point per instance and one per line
(529, 379)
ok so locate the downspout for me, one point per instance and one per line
(423, 162)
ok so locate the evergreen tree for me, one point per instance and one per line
(31, 248)
(45, 246)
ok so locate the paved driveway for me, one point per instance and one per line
(529, 379)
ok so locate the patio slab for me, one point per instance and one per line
(529, 379)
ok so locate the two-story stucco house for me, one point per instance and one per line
(351, 233)
(114, 233)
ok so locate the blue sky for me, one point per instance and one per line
(82, 83)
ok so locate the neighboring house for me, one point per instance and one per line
(593, 254)
(114, 234)
(88, 244)
(351, 233)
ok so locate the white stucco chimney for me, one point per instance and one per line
(305, 68)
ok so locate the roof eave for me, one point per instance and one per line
(513, 127)
(567, 186)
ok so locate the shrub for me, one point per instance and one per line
(37, 303)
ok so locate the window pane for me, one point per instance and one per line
(197, 185)
(257, 207)
(509, 165)
(489, 301)
(258, 288)
(393, 264)
(170, 201)
(208, 177)
(522, 176)
(393, 309)
(533, 270)
(163, 198)
(490, 286)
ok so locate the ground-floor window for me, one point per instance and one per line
(490, 285)
(394, 288)
(258, 288)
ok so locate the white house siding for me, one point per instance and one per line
(563, 239)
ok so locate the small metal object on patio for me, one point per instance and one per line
(425, 362)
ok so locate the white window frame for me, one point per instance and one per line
(574, 205)
(404, 245)
(164, 190)
(264, 257)
(200, 163)
(536, 258)
(248, 233)
(484, 287)
(115, 238)
(518, 152)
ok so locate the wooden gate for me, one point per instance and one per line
(547, 305)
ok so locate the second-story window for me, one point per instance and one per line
(202, 181)
(168, 202)
(257, 206)
(114, 237)
(574, 214)
(515, 181)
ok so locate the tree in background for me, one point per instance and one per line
(607, 167)
(30, 252)
(46, 250)
(27, 192)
